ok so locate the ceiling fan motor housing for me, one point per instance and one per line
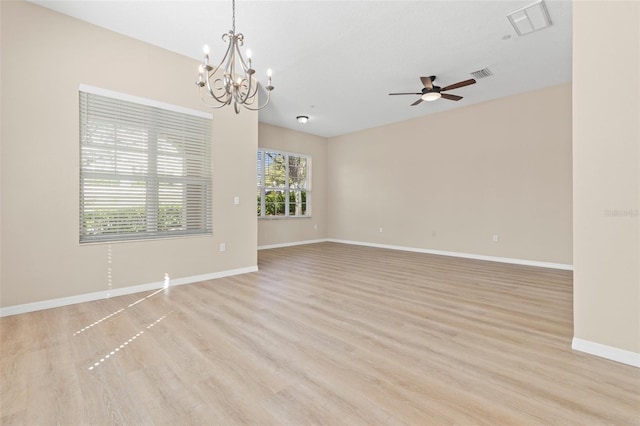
(433, 89)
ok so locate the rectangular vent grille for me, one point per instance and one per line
(483, 73)
(530, 18)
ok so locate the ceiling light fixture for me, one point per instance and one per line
(302, 119)
(231, 81)
(431, 96)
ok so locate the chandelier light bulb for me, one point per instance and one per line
(248, 53)
(200, 82)
(269, 72)
(205, 49)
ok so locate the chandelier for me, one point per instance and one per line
(232, 80)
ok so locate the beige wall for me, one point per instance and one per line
(45, 56)
(452, 180)
(606, 158)
(283, 231)
(1, 173)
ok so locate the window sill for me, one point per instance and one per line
(139, 240)
(282, 217)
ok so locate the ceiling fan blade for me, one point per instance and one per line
(419, 101)
(419, 93)
(460, 84)
(450, 97)
(427, 82)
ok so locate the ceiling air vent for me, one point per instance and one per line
(530, 18)
(483, 73)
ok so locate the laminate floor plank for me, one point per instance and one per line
(326, 334)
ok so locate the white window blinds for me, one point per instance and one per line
(145, 171)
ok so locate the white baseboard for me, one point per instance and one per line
(463, 255)
(88, 297)
(608, 352)
(294, 243)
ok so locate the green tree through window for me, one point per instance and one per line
(284, 188)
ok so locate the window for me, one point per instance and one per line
(145, 170)
(284, 184)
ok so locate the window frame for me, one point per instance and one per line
(263, 188)
(153, 181)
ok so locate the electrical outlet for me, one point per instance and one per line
(315, 226)
(495, 238)
(236, 200)
(380, 229)
(223, 247)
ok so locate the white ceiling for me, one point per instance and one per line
(336, 61)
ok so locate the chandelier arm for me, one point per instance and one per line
(239, 98)
(228, 57)
(227, 36)
(245, 68)
(250, 84)
(265, 104)
(255, 90)
(212, 72)
(249, 94)
(243, 99)
(236, 87)
(207, 104)
(225, 98)
(248, 72)
(210, 90)
(230, 68)
(248, 97)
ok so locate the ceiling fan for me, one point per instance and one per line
(431, 92)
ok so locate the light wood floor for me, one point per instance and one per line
(324, 334)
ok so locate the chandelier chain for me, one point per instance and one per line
(233, 16)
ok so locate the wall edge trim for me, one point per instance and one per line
(510, 260)
(291, 244)
(106, 294)
(608, 352)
